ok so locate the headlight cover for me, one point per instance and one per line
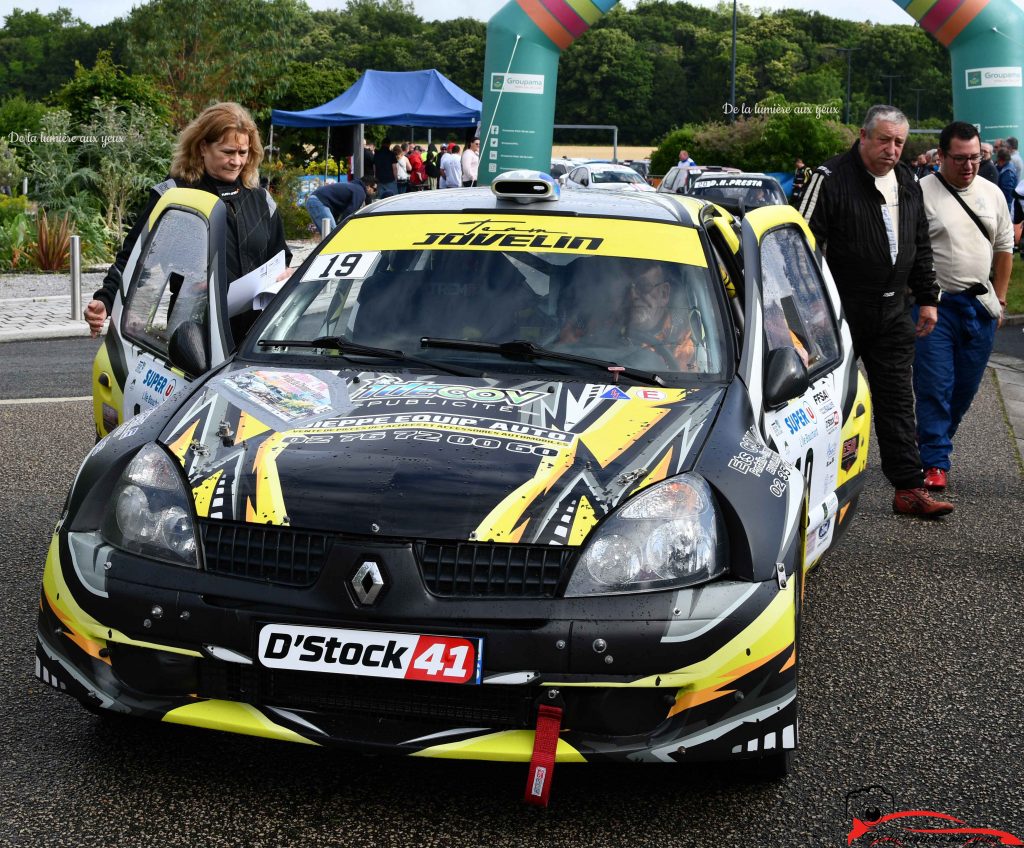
(668, 536)
(150, 512)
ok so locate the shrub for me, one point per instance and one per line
(52, 249)
(15, 243)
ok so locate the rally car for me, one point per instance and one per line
(738, 192)
(499, 475)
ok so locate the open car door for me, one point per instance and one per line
(799, 367)
(169, 320)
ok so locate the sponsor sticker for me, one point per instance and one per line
(518, 83)
(614, 393)
(366, 653)
(1003, 77)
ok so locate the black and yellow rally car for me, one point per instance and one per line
(498, 475)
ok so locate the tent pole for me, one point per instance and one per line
(270, 143)
(327, 154)
(359, 154)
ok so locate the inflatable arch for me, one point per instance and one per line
(525, 39)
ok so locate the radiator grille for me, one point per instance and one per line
(262, 552)
(489, 706)
(466, 569)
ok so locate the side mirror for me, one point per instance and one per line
(785, 377)
(584, 181)
(187, 349)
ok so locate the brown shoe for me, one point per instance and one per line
(919, 502)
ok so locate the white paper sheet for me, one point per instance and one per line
(244, 292)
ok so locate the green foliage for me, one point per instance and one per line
(316, 167)
(764, 142)
(106, 82)
(308, 84)
(15, 233)
(204, 51)
(10, 171)
(667, 153)
(284, 185)
(39, 51)
(132, 151)
(20, 116)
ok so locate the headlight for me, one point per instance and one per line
(150, 512)
(667, 536)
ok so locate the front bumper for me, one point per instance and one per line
(702, 674)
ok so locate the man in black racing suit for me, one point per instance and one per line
(867, 213)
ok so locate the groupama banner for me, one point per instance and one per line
(525, 39)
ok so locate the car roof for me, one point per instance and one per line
(726, 176)
(635, 205)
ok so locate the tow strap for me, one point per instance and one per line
(542, 763)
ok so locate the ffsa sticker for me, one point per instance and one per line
(342, 266)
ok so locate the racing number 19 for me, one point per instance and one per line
(345, 268)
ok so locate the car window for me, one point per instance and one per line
(170, 286)
(658, 316)
(797, 312)
(578, 175)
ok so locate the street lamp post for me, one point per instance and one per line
(917, 110)
(849, 61)
(732, 90)
(890, 77)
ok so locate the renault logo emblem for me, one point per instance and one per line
(368, 582)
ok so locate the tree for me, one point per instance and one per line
(204, 51)
(106, 82)
(606, 78)
(38, 52)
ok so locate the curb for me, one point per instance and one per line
(61, 331)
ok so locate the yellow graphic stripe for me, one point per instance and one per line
(248, 427)
(583, 522)
(856, 426)
(76, 619)
(620, 428)
(658, 473)
(190, 198)
(686, 700)
(478, 231)
(202, 494)
(269, 506)
(500, 524)
(112, 395)
(233, 718)
(769, 634)
(179, 447)
(506, 746)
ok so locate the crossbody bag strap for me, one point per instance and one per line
(966, 208)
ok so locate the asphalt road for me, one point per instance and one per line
(1010, 341)
(912, 657)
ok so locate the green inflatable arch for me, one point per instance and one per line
(525, 39)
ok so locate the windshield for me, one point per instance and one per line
(754, 193)
(657, 316)
(624, 176)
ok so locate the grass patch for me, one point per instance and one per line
(1015, 294)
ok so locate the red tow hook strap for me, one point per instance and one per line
(542, 763)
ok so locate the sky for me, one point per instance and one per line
(879, 11)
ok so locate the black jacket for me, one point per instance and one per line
(844, 210)
(255, 232)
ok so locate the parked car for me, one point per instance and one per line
(605, 176)
(738, 192)
(492, 461)
(679, 178)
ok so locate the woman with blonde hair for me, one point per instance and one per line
(219, 152)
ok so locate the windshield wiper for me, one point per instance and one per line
(519, 349)
(349, 347)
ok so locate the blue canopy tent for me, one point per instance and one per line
(392, 98)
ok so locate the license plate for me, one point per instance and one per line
(371, 653)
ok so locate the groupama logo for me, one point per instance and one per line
(875, 823)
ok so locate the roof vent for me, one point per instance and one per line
(525, 186)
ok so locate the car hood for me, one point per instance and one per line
(424, 456)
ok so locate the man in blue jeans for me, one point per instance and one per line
(967, 247)
(336, 201)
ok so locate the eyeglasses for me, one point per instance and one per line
(963, 160)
